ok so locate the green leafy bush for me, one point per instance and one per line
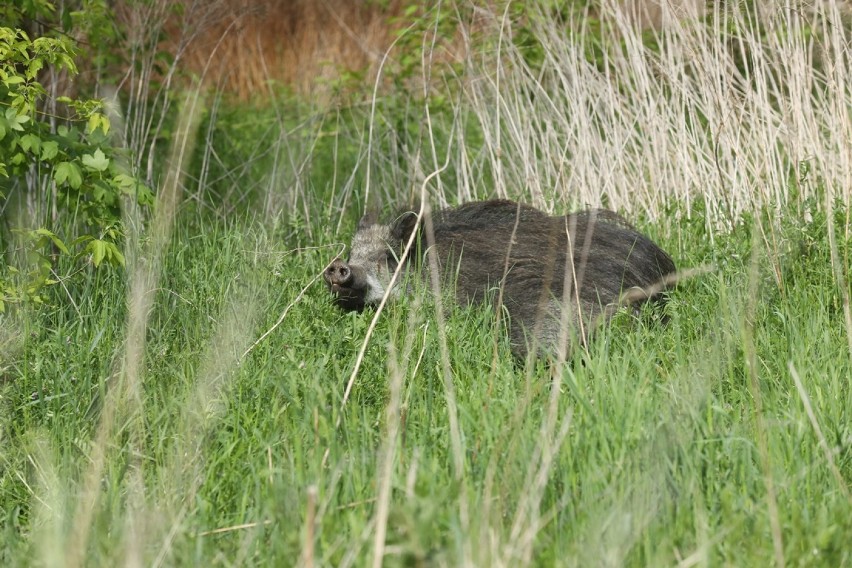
(66, 165)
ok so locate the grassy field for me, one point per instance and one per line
(200, 408)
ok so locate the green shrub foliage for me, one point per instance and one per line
(65, 165)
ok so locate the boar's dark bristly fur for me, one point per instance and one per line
(552, 270)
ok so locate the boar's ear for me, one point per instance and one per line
(369, 219)
(403, 225)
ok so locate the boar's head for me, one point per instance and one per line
(376, 252)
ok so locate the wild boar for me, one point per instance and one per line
(551, 274)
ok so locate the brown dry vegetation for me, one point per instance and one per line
(242, 45)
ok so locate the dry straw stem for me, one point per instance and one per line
(528, 519)
(841, 269)
(701, 554)
(148, 86)
(751, 366)
(500, 292)
(11, 340)
(637, 294)
(683, 122)
(829, 455)
(491, 540)
(373, 101)
(307, 560)
(204, 404)
(395, 424)
(456, 438)
(233, 528)
(49, 498)
(387, 457)
(144, 282)
(123, 404)
(394, 278)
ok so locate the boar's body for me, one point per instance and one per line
(552, 270)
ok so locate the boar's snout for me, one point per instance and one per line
(339, 274)
(341, 281)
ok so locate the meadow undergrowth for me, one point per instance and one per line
(195, 409)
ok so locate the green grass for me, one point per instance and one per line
(200, 407)
(660, 463)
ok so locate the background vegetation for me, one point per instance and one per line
(184, 393)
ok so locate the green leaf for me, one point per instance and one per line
(49, 150)
(115, 256)
(98, 162)
(66, 19)
(98, 120)
(18, 122)
(97, 248)
(81, 239)
(93, 122)
(70, 172)
(103, 192)
(124, 181)
(34, 67)
(144, 195)
(30, 143)
(15, 121)
(56, 240)
(104, 250)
